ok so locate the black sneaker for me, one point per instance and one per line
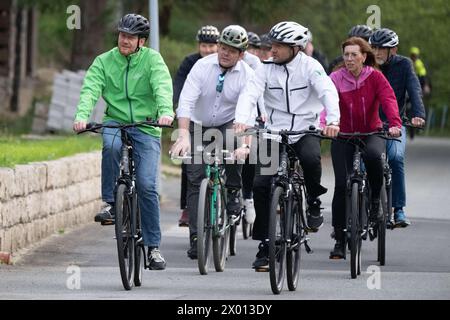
(314, 215)
(261, 262)
(192, 252)
(106, 216)
(155, 259)
(234, 202)
(338, 251)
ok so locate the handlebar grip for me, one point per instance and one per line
(91, 125)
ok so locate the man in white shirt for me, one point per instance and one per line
(208, 101)
(296, 88)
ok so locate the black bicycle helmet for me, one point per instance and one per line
(208, 34)
(384, 38)
(253, 39)
(265, 41)
(361, 31)
(134, 24)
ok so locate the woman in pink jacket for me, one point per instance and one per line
(361, 90)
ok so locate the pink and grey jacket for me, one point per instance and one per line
(359, 100)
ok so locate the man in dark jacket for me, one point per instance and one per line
(207, 38)
(400, 74)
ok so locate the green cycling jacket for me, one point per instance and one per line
(134, 88)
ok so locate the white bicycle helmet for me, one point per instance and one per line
(290, 33)
(235, 36)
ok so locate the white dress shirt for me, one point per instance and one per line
(199, 99)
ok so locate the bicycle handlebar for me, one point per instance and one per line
(93, 126)
(382, 134)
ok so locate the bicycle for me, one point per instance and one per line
(288, 227)
(358, 224)
(215, 229)
(128, 232)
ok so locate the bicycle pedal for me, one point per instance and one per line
(108, 223)
(308, 248)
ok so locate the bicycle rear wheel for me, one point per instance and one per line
(139, 249)
(204, 227)
(277, 244)
(381, 232)
(293, 253)
(221, 234)
(233, 232)
(124, 236)
(355, 243)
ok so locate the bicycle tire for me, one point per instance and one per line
(381, 242)
(204, 227)
(293, 254)
(354, 230)
(277, 245)
(233, 232)
(139, 249)
(124, 238)
(221, 235)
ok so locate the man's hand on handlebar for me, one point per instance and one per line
(79, 126)
(165, 120)
(418, 122)
(331, 131)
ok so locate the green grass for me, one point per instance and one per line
(17, 150)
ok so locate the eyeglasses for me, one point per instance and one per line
(220, 80)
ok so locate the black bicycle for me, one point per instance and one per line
(128, 230)
(358, 196)
(288, 227)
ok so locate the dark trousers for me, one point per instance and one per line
(196, 172)
(183, 193)
(307, 150)
(248, 176)
(342, 155)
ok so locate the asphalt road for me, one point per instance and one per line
(417, 263)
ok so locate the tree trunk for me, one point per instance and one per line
(89, 40)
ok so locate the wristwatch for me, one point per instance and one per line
(334, 123)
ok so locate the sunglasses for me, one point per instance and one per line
(220, 80)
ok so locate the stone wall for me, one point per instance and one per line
(39, 199)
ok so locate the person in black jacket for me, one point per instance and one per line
(207, 37)
(399, 72)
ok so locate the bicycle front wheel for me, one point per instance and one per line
(124, 236)
(221, 234)
(381, 232)
(355, 243)
(277, 244)
(204, 227)
(293, 253)
(139, 249)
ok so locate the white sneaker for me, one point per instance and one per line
(250, 213)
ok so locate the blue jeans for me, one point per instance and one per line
(146, 155)
(396, 155)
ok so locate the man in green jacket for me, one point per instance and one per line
(135, 83)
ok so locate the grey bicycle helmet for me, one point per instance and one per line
(134, 24)
(208, 34)
(234, 36)
(361, 31)
(265, 41)
(290, 33)
(384, 38)
(253, 39)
